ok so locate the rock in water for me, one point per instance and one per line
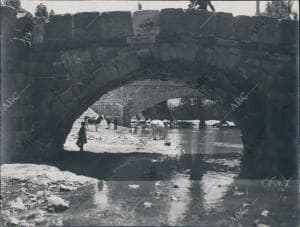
(265, 213)
(65, 188)
(167, 143)
(147, 204)
(17, 204)
(57, 204)
(175, 186)
(13, 221)
(133, 186)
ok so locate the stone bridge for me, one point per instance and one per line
(75, 59)
(129, 100)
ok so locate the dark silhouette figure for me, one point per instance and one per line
(41, 10)
(81, 137)
(140, 6)
(108, 121)
(115, 124)
(201, 4)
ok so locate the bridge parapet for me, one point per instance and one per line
(122, 27)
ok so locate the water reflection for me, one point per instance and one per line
(197, 187)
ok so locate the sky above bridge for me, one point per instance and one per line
(61, 7)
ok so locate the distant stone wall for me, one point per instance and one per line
(132, 99)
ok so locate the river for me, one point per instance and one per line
(196, 187)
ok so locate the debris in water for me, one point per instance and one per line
(175, 186)
(187, 171)
(147, 204)
(157, 183)
(265, 213)
(262, 225)
(237, 193)
(133, 186)
(173, 197)
(167, 143)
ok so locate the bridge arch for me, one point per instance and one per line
(221, 78)
(71, 65)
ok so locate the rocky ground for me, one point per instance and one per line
(34, 195)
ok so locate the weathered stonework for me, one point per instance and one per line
(66, 74)
(87, 26)
(62, 23)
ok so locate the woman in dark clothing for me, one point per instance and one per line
(81, 136)
(115, 124)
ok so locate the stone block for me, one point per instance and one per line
(105, 74)
(200, 22)
(38, 33)
(126, 63)
(8, 20)
(76, 90)
(289, 32)
(24, 110)
(242, 27)
(27, 124)
(76, 56)
(205, 55)
(22, 136)
(18, 123)
(227, 58)
(265, 30)
(183, 51)
(58, 68)
(68, 98)
(87, 26)
(116, 25)
(59, 107)
(21, 80)
(224, 25)
(171, 22)
(104, 54)
(141, 39)
(146, 22)
(59, 28)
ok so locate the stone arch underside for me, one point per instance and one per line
(69, 68)
(136, 97)
(221, 79)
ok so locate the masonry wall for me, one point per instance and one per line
(144, 26)
(16, 103)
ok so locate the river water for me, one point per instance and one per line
(198, 187)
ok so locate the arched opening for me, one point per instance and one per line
(242, 91)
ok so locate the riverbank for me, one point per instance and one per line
(41, 195)
(35, 195)
(121, 140)
(137, 184)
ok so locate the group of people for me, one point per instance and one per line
(82, 139)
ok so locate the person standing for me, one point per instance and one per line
(201, 4)
(115, 123)
(108, 121)
(81, 137)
